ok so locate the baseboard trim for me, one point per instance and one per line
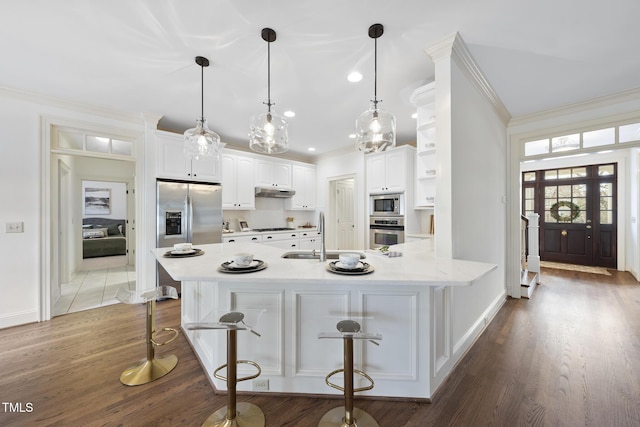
(18, 318)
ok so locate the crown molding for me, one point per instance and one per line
(38, 98)
(605, 101)
(455, 48)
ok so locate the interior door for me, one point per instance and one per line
(345, 215)
(578, 213)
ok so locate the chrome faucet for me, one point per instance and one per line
(323, 252)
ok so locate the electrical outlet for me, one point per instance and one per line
(260, 384)
(14, 227)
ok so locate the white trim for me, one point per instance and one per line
(455, 47)
(42, 99)
(137, 134)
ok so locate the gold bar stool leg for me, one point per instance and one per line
(243, 414)
(348, 415)
(151, 368)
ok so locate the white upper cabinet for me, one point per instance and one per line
(304, 184)
(270, 173)
(237, 182)
(390, 171)
(172, 163)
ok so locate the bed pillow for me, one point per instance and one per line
(94, 233)
(113, 230)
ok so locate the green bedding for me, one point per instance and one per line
(104, 246)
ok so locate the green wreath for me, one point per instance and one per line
(575, 211)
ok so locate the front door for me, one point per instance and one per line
(577, 209)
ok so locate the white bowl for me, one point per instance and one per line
(182, 247)
(243, 259)
(349, 260)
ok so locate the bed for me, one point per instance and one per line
(103, 237)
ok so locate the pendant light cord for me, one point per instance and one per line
(375, 73)
(269, 76)
(202, 92)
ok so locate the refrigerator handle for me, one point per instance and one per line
(189, 212)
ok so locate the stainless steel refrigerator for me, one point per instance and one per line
(187, 212)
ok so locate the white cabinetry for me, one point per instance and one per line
(271, 173)
(282, 240)
(237, 239)
(172, 163)
(309, 240)
(304, 184)
(237, 182)
(390, 171)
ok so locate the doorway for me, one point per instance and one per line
(343, 212)
(578, 213)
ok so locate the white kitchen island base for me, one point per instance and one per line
(413, 313)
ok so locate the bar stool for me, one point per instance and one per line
(243, 414)
(151, 368)
(347, 415)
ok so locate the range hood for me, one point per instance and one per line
(274, 192)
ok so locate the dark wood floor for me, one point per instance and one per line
(570, 356)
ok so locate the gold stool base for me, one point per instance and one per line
(247, 415)
(145, 370)
(335, 418)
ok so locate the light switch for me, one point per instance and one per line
(14, 227)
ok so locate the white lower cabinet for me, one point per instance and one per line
(292, 357)
(310, 240)
(231, 239)
(282, 240)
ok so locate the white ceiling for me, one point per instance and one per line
(138, 56)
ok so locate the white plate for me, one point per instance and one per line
(341, 265)
(253, 264)
(188, 251)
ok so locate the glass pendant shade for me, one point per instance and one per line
(268, 133)
(201, 142)
(375, 130)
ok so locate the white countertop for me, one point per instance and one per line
(417, 266)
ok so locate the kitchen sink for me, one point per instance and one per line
(316, 254)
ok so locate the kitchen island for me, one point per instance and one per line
(407, 299)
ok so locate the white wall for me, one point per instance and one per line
(478, 211)
(21, 187)
(334, 166)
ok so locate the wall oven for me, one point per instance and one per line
(386, 204)
(385, 231)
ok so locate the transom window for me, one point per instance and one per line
(68, 140)
(607, 137)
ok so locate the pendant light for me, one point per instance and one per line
(375, 128)
(201, 142)
(268, 131)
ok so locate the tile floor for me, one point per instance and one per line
(94, 288)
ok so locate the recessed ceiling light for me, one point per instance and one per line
(289, 114)
(413, 116)
(311, 149)
(352, 136)
(354, 77)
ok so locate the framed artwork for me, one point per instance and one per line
(97, 201)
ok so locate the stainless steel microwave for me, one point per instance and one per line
(386, 204)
